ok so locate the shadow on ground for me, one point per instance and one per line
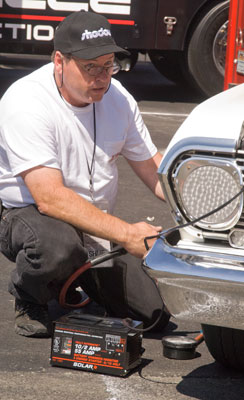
(211, 382)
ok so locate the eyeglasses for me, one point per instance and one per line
(95, 70)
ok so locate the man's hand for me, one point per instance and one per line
(136, 234)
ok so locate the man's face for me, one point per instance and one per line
(77, 85)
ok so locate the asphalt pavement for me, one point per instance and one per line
(25, 370)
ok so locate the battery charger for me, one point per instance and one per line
(97, 344)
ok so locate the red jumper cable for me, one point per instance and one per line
(119, 251)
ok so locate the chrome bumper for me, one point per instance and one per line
(200, 286)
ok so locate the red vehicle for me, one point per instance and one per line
(185, 39)
(234, 70)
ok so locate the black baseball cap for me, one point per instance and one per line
(85, 35)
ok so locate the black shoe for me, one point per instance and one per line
(32, 319)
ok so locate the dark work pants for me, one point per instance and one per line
(47, 251)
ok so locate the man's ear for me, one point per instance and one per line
(59, 69)
(58, 61)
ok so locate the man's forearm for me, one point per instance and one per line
(56, 200)
(72, 208)
(68, 206)
(147, 172)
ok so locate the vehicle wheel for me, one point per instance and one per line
(123, 60)
(226, 345)
(207, 50)
(170, 64)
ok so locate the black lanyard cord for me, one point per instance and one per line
(91, 166)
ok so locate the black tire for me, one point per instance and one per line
(133, 57)
(206, 69)
(226, 345)
(171, 64)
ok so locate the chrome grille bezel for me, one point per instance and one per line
(188, 163)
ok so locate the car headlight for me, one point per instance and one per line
(203, 184)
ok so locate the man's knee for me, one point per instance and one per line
(50, 246)
(63, 251)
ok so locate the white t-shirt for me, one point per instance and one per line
(37, 127)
